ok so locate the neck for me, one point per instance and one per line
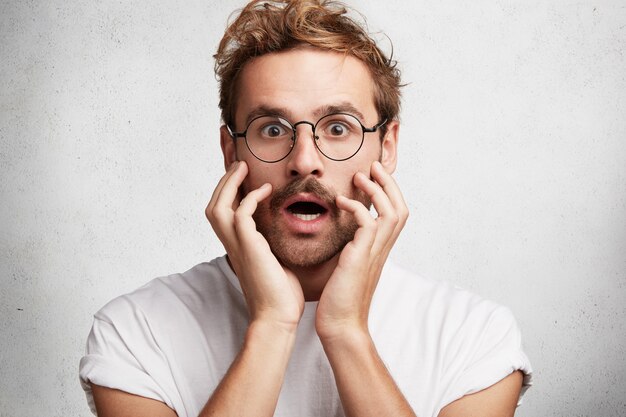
(313, 279)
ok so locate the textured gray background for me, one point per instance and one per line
(513, 155)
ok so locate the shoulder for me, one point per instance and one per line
(439, 300)
(203, 284)
(476, 341)
(467, 342)
(148, 341)
(443, 318)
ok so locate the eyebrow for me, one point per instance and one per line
(264, 110)
(341, 107)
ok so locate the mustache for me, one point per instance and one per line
(304, 185)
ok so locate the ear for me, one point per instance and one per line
(229, 147)
(389, 147)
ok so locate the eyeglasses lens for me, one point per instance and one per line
(338, 136)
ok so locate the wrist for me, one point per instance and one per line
(270, 330)
(344, 336)
(352, 349)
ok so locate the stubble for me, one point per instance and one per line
(306, 250)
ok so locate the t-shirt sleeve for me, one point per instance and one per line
(489, 349)
(121, 353)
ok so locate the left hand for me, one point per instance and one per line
(345, 302)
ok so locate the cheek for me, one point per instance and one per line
(260, 173)
(342, 182)
(363, 165)
(250, 184)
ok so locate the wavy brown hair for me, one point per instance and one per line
(264, 26)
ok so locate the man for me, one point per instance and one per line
(305, 316)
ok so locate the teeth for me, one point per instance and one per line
(307, 217)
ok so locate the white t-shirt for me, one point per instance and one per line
(174, 339)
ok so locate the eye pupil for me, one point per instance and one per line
(337, 130)
(274, 131)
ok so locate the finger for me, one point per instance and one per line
(229, 191)
(244, 223)
(366, 233)
(387, 217)
(219, 212)
(389, 185)
(391, 189)
(218, 188)
(376, 194)
(224, 178)
(392, 217)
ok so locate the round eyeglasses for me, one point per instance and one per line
(338, 136)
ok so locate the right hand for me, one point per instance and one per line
(272, 292)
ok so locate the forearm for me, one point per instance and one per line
(253, 382)
(365, 386)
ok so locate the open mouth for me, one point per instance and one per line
(306, 210)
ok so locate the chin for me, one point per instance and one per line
(308, 252)
(304, 258)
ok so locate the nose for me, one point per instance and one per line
(305, 159)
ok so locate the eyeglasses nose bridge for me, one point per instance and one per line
(303, 122)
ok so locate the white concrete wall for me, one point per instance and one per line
(513, 156)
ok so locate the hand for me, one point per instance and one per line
(345, 302)
(272, 292)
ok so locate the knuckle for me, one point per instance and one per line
(217, 217)
(378, 191)
(370, 224)
(239, 218)
(211, 214)
(404, 214)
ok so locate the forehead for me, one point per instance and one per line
(302, 81)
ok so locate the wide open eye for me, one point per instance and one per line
(273, 130)
(337, 129)
(269, 128)
(339, 126)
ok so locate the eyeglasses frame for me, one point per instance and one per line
(294, 138)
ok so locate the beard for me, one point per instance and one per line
(306, 250)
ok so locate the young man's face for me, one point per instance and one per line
(300, 220)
